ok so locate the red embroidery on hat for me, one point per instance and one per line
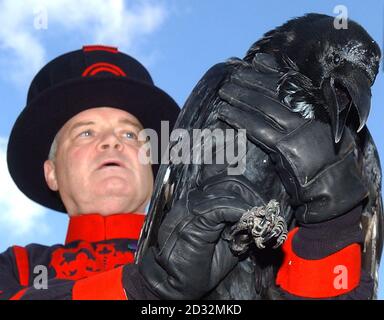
(99, 48)
(103, 67)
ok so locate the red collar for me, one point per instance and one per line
(95, 227)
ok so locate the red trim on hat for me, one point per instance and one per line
(317, 278)
(103, 66)
(95, 227)
(100, 48)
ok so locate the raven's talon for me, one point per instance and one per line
(259, 225)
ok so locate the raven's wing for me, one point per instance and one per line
(173, 179)
(373, 216)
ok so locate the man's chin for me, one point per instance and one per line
(113, 199)
(114, 184)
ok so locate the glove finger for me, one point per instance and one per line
(255, 78)
(220, 210)
(200, 203)
(265, 104)
(236, 185)
(259, 130)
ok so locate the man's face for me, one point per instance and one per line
(97, 167)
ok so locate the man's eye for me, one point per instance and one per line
(86, 133)
(130, 135)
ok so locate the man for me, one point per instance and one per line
(75, 149)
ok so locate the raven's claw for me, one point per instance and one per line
(259, 225)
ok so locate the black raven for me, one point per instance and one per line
(324, 68)
(323, 74)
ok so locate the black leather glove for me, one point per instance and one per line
(192, 256)
(322, 178)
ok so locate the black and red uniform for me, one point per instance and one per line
(96, 262)
(88, 266)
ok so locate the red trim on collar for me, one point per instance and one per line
(95, 227)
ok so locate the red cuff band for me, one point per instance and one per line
(331, 276)
(103, 286)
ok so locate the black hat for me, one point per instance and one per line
(96, 76)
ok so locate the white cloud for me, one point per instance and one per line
(116, 22)
(19, 216)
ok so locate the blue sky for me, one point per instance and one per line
(177, 40)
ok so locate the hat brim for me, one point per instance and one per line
(38, 124)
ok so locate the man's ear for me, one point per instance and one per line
(50, 175)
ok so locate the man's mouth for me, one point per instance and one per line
(111, 164)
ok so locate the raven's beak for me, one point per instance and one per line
(343, 92)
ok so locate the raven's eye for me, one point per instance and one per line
(336, 59)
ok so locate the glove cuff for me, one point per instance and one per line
(318, 240)
(134, 284)
(334, 275)
(364, 291)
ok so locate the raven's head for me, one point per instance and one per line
(337, 66)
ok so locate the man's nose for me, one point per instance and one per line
(110, 141)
